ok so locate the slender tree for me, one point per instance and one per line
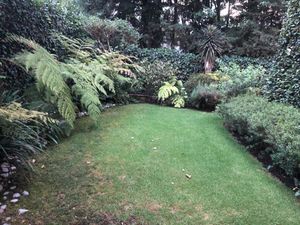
(211, 47)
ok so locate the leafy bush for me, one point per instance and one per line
(205, 97)
(239, 80)
(248, 39)
(207, 90)
(153, 77)
(37, 22)
(204, 79)
(244, 62)
(185, 63)
(112, 33)
(270, 127)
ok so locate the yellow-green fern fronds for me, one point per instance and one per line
(48, 74)
(166, 91)
(178, 101)
(86, 87)
(79, 49)
(174, 91)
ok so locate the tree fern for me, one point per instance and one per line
(92, 74)
(48, 73)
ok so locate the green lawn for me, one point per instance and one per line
(133, 169)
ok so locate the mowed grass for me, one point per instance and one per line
(133, 169)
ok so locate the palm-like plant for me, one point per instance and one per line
(211, 47)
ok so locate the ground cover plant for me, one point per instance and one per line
(154, 173)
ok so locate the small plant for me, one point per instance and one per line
(173, 90)
(24, 132)
(205, 97)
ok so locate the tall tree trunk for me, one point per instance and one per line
(208, 66)
(228, 16)
(206, 3)
(218, 10)
(151, 24)
(174, 22)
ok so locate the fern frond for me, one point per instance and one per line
(48, 74)
(78, 48)
(166, 91)
(173, 89)
(178, 101)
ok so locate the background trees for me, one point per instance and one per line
(252, 27)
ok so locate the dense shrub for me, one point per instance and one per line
(270, 127)
(185, 63)
(204, 79)
(205, 97)
(152, 77)
(207, 90)
(248, 39)
(37, 22)
(244, 62)
(283, 83)
(112, 33)
(238, 80)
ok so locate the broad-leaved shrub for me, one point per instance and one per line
(274, 126)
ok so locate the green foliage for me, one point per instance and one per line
(207, 90)
(205, 97)
(49, 76)
(230, 80)
(243, 62)
(111, 33)
(24, 132)
(250, 40)
(185, 63)
(272, 125)
(173, 90)
(204, 79)
(167, 90)
(211, 47)
(237, 80)
(86, 79)
(37, 22)
(153, 77)
(283, 82)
